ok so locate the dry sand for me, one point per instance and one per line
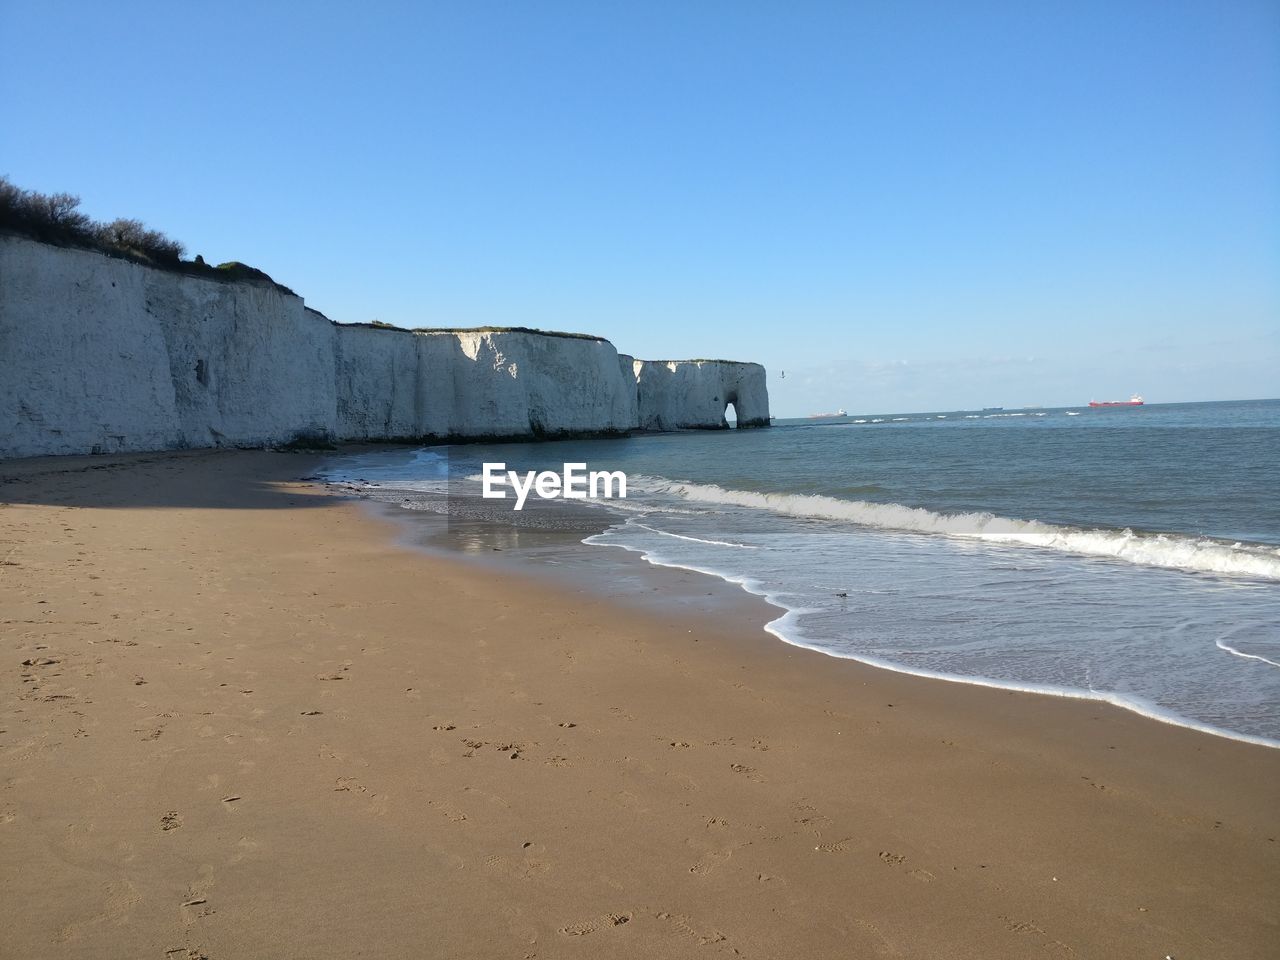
(237, 721)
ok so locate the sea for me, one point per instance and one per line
(1124, 554)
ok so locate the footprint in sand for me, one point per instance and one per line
(246, 849)
(892, 858)
(839, 846)
(705, 865)
(171, 820)
(686, 926)
(1020, 926)
(453, 813)
(583, 927)
(814, 822)
(517, 869)
(117, 900)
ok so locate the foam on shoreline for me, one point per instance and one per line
(785, 628)
(1142, 550)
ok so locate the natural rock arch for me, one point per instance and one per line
(731, 401)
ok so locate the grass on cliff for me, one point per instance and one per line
(56, 218)
(542, 333)
(383, 325)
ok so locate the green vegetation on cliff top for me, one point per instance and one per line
(56, 218)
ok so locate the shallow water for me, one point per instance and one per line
(1130, 555)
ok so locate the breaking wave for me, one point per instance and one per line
(1170, 551)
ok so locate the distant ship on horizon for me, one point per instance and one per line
(827, 416)
(1134, 401)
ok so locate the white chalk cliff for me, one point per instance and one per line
(683, 394)
(99, 354)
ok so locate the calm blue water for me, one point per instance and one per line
(1126, 554)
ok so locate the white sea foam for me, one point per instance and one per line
(1222, 644)
(1170, 551)
(783, 628)
(679, 536)
(788, 628)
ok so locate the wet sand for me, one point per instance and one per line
(239, 719)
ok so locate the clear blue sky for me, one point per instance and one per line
(903, 205)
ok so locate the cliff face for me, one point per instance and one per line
(378, 386)
(105, 355)
(248, 364)
(694, 394)
(472, 384)
(512, 384)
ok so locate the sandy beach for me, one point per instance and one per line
(240, 720)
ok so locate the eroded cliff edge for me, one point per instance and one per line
(99, 354)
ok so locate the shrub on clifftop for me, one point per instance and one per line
(43, 216)
(133, 235)
(56, 218)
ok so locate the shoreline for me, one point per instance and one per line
(267, 728)
(382, 505)
(1144, 709)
